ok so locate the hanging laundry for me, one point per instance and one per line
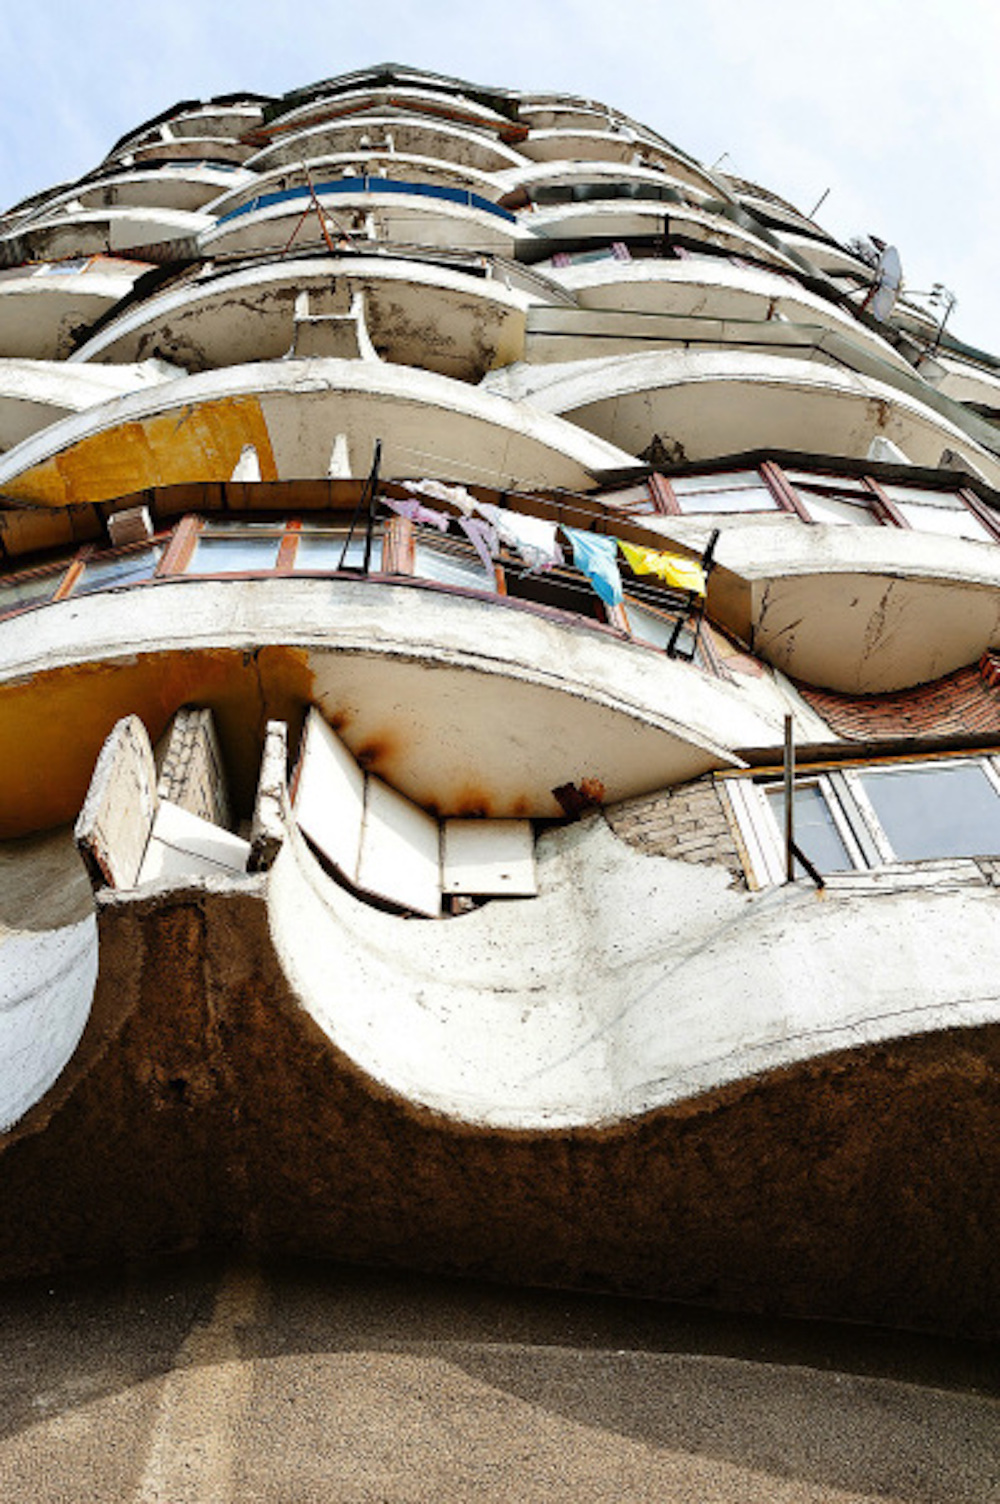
(417, 513)
(457, 495)
(683, 574)
(597, 557)
(532, 537)
(483, 537)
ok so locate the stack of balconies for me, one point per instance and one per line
(306, 405)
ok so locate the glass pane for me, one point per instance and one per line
(835, 483)
(744, 499)
(838, 510)
(654, 628)
(233, 554)
(956, 522)
(815, 830)
(722, 481)
(322, 548)
(100, 574)
(452, 566)
(951, 810)
(15, 594)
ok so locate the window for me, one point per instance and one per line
(30, 590)
(321, 548)
(839, 501)
(226, 548)
(451, 562)
(852, 819)
(938, 512)
(737, 491)
(656, 629)
(103, 571)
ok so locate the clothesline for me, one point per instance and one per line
(534, 539)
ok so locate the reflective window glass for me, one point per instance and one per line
(937, 512)
(123, 569)
(853, 511)
(656, 628)
(816, 831)
(948, 809)
(738, 491)
(322, 549)
(234, 553)
(452, 564)
(32, 591)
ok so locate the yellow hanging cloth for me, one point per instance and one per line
(683, 574)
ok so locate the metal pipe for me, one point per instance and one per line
(789, 801)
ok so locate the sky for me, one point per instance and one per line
(891, 105)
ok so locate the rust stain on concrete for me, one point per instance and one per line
(200, 442)
(52, 726)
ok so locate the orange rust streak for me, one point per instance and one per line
(200, 442)
(52, 726)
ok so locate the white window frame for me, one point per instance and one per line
(851, 810)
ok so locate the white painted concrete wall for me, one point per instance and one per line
(630, 982)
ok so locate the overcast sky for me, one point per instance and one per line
(892, 105)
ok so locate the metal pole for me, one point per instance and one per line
(789, 801)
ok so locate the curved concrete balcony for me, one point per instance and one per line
(416, 314)
(214, 149)
(707, 404)
(398, 165)
(462, 701)
(378, 99)
(621, 219)
(207, 121)
(862, 610)
(98, 232)
(828, 258)
(420, 135)
(171, 187)
(538, 176)
(304, 419)
(48, 967)
(695, 999)
(712, 289)
(34, 394)
(623, 145)
(961, 380)
(43, 308)
(369, 209)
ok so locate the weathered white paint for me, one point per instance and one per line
(400, 857)
(713, 289)
(727, 402)
(41, 310)
(420, 134)
(89, 232)
(48, 966)
(489, 857)
(183, 845)
(329, 795)
(36, 393)
(406, 218)
(428, 423)
(630, 982)
(441, 319)
(470, 698)
(121, 806)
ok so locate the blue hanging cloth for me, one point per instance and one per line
(597, 557)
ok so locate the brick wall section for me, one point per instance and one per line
(687, 823)
(966, 703)
(191, 771)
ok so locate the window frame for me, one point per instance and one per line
(852, 812)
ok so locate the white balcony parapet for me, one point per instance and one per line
(434, 317)
(291, 412)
